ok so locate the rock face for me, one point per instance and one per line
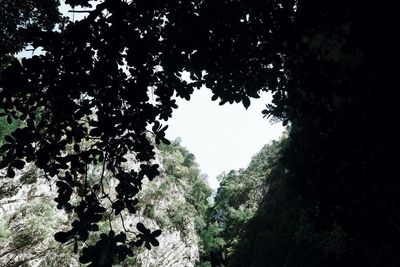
(174, 202)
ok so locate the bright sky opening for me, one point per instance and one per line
(222, 138)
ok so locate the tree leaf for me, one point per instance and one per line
(246, 102)
(10, 172)
(19, 164)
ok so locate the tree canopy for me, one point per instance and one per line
(86, 100)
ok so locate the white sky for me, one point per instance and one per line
(222, 138)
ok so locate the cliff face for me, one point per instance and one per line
(237, 201)
(174, 202)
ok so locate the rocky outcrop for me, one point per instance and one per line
(29, 218)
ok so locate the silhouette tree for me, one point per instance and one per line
(18, 14)
(85, 101)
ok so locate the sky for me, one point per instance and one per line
(222, 138)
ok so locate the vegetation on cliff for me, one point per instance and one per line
(180, 195)
(237, 201)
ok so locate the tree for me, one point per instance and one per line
(16, 15)
(328, 65)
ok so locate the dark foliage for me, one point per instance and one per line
(329, 64)
(335, 200)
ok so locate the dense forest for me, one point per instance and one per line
(99, 92)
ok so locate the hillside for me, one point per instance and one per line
(175, 202)
(236, 202)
